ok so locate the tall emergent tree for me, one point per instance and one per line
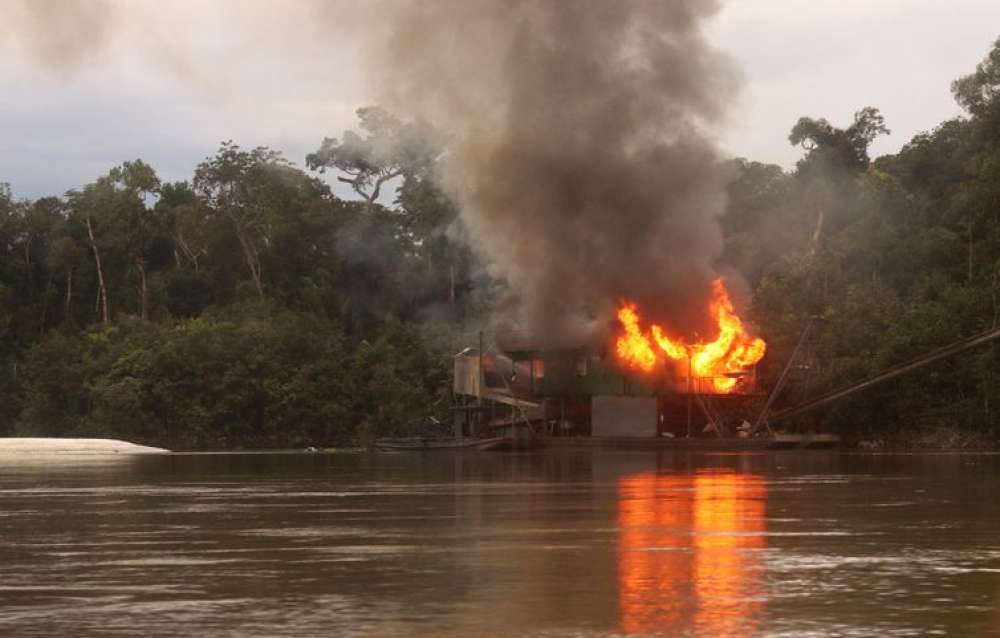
(389, 149)
(234, 185)
(119, 227)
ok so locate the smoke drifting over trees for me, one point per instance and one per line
(574, 143)
(577, 154)
(574, 153)
(60, 35)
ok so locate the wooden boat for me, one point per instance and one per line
(699, 444)
(792, 441)
(430, 444)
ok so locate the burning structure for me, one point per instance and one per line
(644, 381)
(706, 367)
(580, 153)
(581, 156)
(579, 150)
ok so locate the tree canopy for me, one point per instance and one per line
(389, 149)
(252, 306)
(249, 306)
(842, 148)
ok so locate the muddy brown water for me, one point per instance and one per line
(488, 544)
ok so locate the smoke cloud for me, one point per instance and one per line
(576, 129)
(61, 35)
(578, 154)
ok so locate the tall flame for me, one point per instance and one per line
(633, 347)
(733, 350)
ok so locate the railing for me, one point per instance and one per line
(711, 385)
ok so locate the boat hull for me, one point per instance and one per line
(706, 444)
(440, 445)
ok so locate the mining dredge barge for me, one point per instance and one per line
(581, 398)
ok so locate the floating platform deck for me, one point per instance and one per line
(418, 444)
(726, 444)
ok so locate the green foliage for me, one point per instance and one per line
(901, 256)
(251, 307)
(250, 377)
(846, 149)
(245, 308)
(978, 92)
(53, 382)
(258, 192)
(390, 149)
(399, 382)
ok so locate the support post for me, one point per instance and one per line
(562, 414)
(712, 422)
(779, 386)
(890, 373)
(479, 387)
(690, 396)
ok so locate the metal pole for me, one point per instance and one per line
(479, 387)
(891, 373)
(762, 417)
(690, 396)
(715, 425)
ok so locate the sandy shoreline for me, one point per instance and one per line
(32, 446)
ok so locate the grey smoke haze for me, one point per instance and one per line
(173, 78)
(62, 35)
(578, 157)
(576, 147)
(167, 81)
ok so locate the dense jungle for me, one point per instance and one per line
(262, 304)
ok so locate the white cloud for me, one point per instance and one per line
(829, 59)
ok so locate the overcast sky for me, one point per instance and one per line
(182, 76)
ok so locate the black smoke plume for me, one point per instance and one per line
(578, 151)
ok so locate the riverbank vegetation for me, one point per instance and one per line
(892, 257)
(251, 306)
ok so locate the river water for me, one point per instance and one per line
(492, 544)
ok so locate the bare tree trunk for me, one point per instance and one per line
(45, 304)
(970, 251)
(143, 293)
(345, 312)
(27, 263)
(818, 232)
(69, 293)
(103, 289)
(188, 252)
(253, 262)
(257, 280)
(370, 197)
(451, 289)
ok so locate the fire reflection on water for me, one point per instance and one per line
(687, 553)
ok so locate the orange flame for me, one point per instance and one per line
(633, 347)
(732, 351)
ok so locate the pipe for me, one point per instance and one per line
(779, 386)
(890, 373)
